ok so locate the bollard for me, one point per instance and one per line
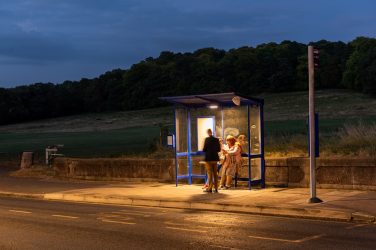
(27, 160)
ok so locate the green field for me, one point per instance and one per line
(84, 144)
(326, 126)
(135, 132)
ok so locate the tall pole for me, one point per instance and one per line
(312, 149)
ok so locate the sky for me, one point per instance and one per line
(58, 40)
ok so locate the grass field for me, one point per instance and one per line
(134, 132)
(84, 144)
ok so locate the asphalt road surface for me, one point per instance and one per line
(34, 224)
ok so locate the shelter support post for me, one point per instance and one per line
(189, 147)
(262, 146)
(249, 148)
(176, 152)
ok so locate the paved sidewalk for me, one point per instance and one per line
(341, 205)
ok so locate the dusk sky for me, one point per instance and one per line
(57, 40)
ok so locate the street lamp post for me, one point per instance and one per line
(311, 97)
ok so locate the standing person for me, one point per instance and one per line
(211, 149)
(233, 158)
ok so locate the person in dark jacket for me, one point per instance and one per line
(211, 148)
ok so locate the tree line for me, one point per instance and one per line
(269, 67)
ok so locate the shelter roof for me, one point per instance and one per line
(221, 99)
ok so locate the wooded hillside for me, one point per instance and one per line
(268, 67)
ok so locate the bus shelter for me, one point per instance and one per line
(226, 114)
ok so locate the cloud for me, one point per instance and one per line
(93, 36)
(27, 26)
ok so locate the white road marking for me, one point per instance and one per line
(19, 211)
(131, 213)
(64, 216)
(286, 240)
(118, 222)
(138, 212)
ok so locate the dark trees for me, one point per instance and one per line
(268, 67)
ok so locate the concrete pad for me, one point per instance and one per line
(341, 205)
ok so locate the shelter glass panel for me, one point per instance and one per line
(256, 169)
(255, 129)
(182, 165)
(181, 129)
(197, 167)
(235, 123)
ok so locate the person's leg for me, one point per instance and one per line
(228, 180)
(215, 175)
(210, 175)
(223, 177)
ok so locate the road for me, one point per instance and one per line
(36, 224)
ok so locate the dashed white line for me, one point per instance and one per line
(118, 222)
(20, 211)
(64, 216)
(286, 240)
(131, 213)
(186, 229)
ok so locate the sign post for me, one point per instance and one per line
(311, 96)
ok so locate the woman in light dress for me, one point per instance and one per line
(232, 153)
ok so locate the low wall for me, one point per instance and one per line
(346, 173)
(115, 169)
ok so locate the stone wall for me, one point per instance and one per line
(115, 169)
(347, 173)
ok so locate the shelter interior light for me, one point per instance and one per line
(213, 106)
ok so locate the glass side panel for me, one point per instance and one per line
(235, 123)
(182, 165)
(197, 165)
(255, 131)
(181, 129)
(255, 169)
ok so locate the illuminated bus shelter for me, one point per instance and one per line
(226, 114)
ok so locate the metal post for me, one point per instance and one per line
(249, 150)
(261, 107)
(222, 124)
(176, 150)
(311, 97)
(189, 146)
